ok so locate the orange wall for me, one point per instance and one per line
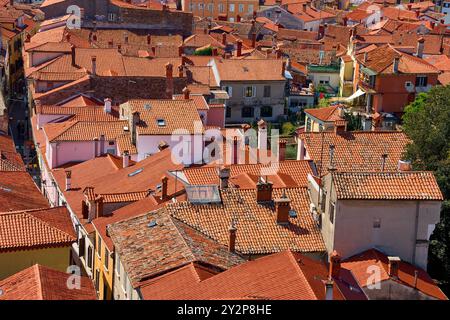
(226, 5)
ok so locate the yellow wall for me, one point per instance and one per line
(106, 273)
(13, 262)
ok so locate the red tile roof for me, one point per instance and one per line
(360, 263)
(412, 185)
(19, 192)
(10, 159)
(257, 229)
(357, 150)
(286, 275)
(39, 228)
(250, 70)
(326, 114)
(146, 251)
(42, 283)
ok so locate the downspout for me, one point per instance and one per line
(416, 231)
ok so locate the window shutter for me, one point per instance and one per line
(230, 92)
(254, 91)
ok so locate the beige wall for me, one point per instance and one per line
(402, 224)
(13, 262)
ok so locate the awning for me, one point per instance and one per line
(357, 94)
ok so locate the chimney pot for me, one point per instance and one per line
(253, 40)
(149, 39)
(239, 48)
(232, 240)
(125, 159)
(99, 206)
(335, 265)
(94, 65)
(164, 184)
(394, 264)
(224, 38)
(420, 47)
(186, 93)
(68, 180)
(282, 150)
(72, 48)
(263, 191)
(282, 208)
(107, 105)
(224, 176)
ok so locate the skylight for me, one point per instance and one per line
(152, 224)
(203, 194)
(161, 122)
(147, 106)
(135, 172)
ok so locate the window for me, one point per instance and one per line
(323, 201)
(266, 91)
(221, 8)
(308, 125)
(97, 279)
(81, 247)
(99, 246)
(376, 223)
(241, 8)
(331, 213)
(247, 112)
(249, 91)
(228, 112)
(89, 257)
(229, 90)
(200, 6)
(211, 7)
(231, 7)
(421, 81)
(250, 8)
(231, 19)
(106, 259)
(266, 111)
(111, 17)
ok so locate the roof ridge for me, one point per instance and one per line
(179, 232)
(54, 228)
(300, 272)
(40, 292)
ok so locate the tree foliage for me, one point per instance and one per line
(427, 123)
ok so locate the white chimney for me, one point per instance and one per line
(68, 180)
(404, 165)
(262, 135)
(125, 159)
(107, 106)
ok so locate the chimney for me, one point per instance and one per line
(239, 48)
(125, 159)
(329, 289)
(321, 32)
(186, 93)
(282, 150)
(304, 7)
(262, 135)
(107, 105)
(335, 265)
(395, 65)
(125, 38)
(394, 264)
(102, 144)
(232, 240)
(180, 71)
(235, 159)
(94, 65)
(404, 165)
(169, 80)
(111, 43)
(253, 40)
(417, 13)
(340, 126)
(383, 161)
(254, 14)
(149, 39)
(432, 24)
(119, 48)
(282, 208)
(28, 38)
(331, 155)
(366, 54)
(409, 7)
(263, 191)
(214, 52)
(94, 37)
(238, 18)
(344, 21)
(99, 206)
(164, 183)
(224, 176)
(68, 180)
(420, 47)
(224, 38)
(180, 50)
(134, 122)
(72, 48)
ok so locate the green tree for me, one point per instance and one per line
(427, 123)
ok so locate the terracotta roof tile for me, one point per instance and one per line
(327, 114)
(411, 185)
(42, 283)
(356, 151)
(359, 264)
(250, 70)
(285, 275)
(36, 229)
(146, 251)
(19, 192)
(257, 230)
